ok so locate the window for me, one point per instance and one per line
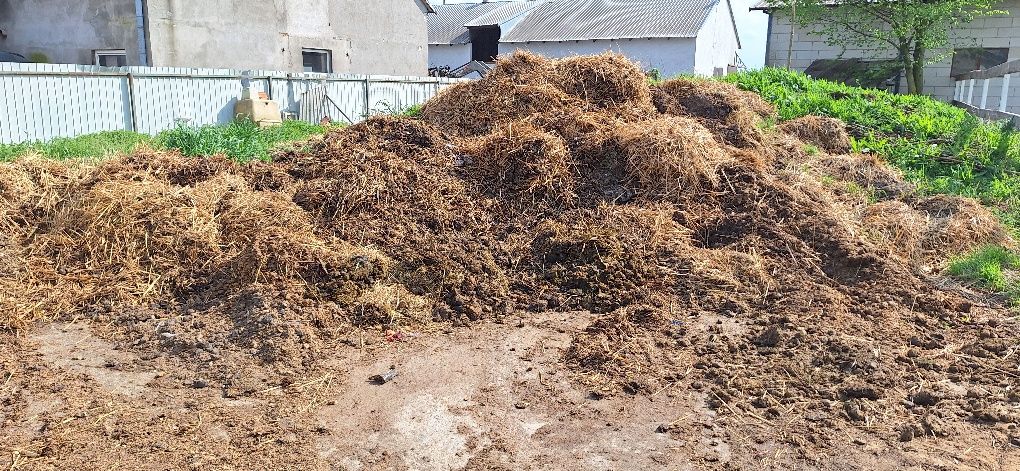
(110, 57)
(484, 43)
(975, 58)
(317, 60)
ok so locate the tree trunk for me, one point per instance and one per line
(919, 54)
(908, 68)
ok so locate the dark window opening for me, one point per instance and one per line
(317, 60)
(485, 43)
(110, 58)
(976, 58)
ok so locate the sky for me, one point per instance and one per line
(752, 26)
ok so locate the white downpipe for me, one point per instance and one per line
(1005, 93)
(143, 47)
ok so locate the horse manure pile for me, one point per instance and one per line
(761, 270)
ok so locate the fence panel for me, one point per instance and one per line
(44, 101)
(992, 93)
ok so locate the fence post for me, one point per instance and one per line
(368, 108)
(984, 94)
(132, 106)
(1005, 93)
(970, 93)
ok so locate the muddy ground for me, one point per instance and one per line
(492, 396)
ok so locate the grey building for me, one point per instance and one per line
(341, 36)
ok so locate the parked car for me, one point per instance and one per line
(12, 57)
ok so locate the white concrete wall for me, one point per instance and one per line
(371, 37)
(716, 44)
(452, 56)
(985, 32)
(670, 56)
(68, 31)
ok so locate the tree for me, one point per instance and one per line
(914, 28)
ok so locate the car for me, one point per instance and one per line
(12, 57)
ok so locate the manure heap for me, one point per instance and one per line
(760, 268)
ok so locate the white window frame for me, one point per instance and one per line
(108, 52)
(329, 58)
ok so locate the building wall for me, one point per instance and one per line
(1001, 31)
(376, 37)
(68, 31)
(452, 56)
(670, 56)
(716, 44)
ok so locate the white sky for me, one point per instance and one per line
(752, 27)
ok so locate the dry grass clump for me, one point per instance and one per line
(865, 172)
(829, 134)
(934, 229)
(475, 108)
(133, 239)
(520, 159)
(391, 305)
(167, 166)
(523, 67)
(405, 137)
(897, 226)
(524, 84)
(608, 81)
(958, 225)
(671, 156)
(732, 114)
(708, 99)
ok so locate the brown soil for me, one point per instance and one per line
(562, 276)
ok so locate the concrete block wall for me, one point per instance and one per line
(1000, 31)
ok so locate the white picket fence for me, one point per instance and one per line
(44, 101)
(988, 94)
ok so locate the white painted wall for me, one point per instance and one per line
(1003, 31)
(716, 44)
(670, 56)
(447, 55)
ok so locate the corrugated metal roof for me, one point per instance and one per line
(506, 12)
(574, 20)
(446, 25)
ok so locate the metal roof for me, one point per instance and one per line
(506, 12)
(578, 20)
(446, 26)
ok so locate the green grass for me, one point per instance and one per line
(240, 140)
(939, 147)
(413, 111)
(90, 146)
(990, 267)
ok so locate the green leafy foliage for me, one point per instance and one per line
(412, 111)
(241, 140)
(991, 267)
(939, 147)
